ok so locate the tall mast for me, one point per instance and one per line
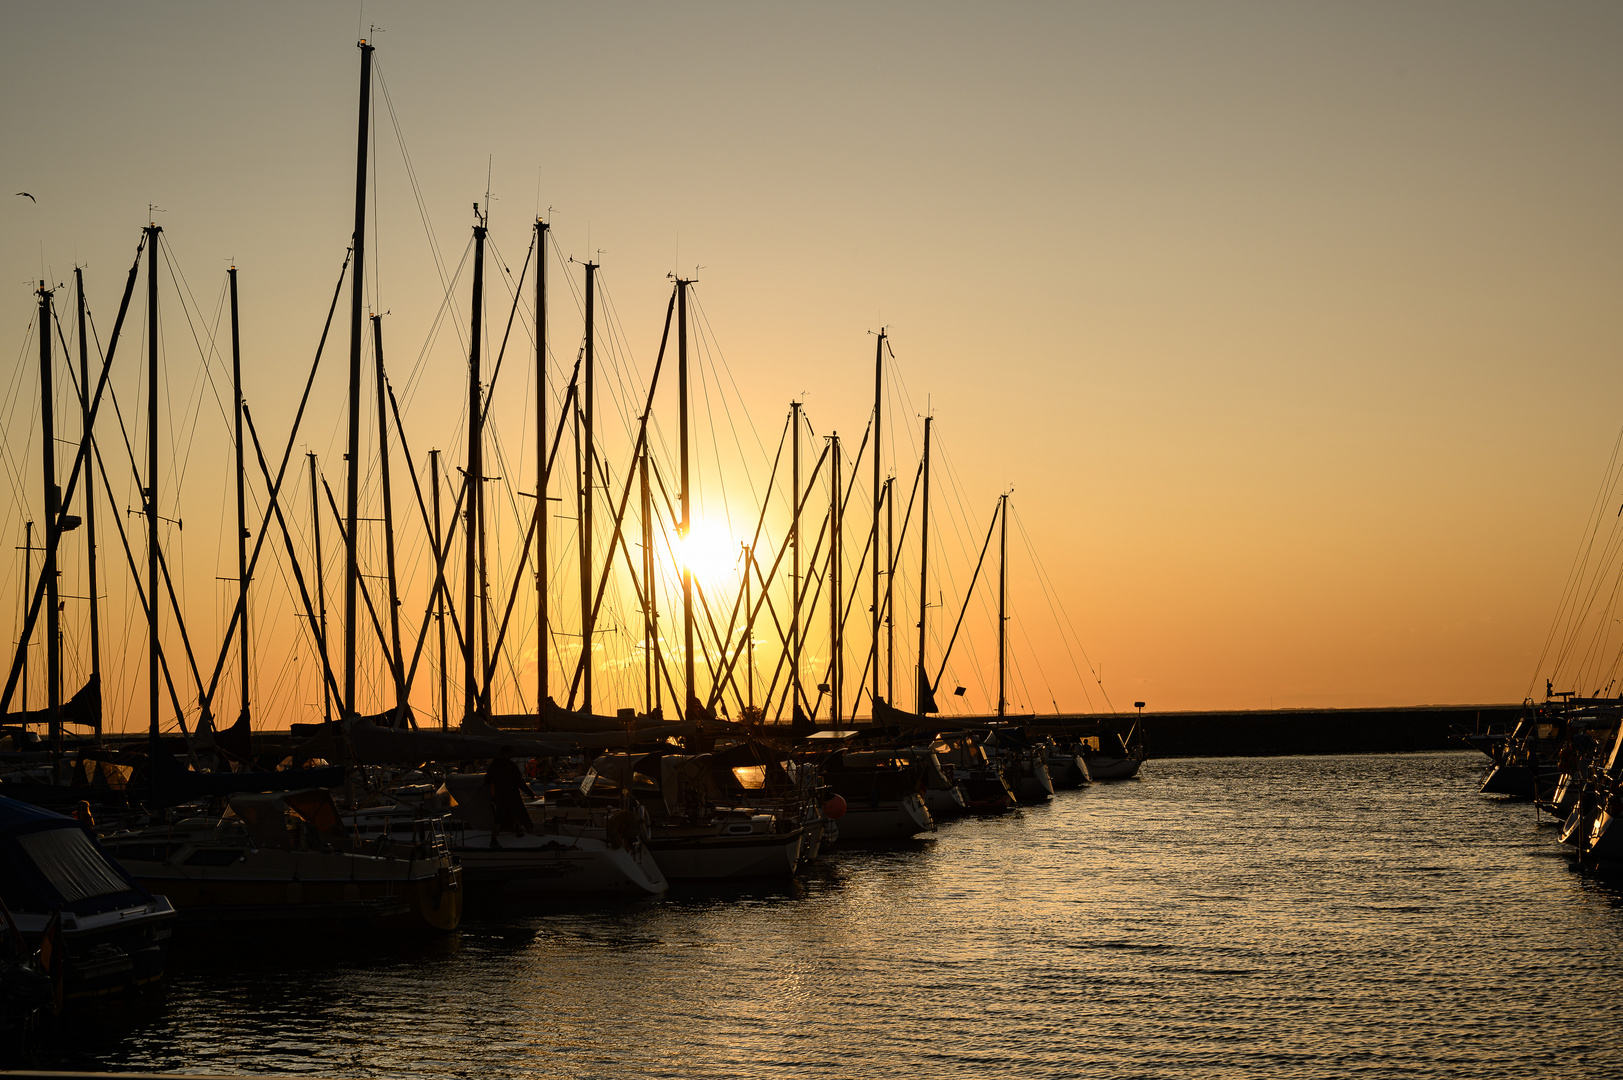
(53, 523)
(28, 575)
(90, 497)
(541, 468)
(749, 625)
(357, 295)
(924, 574)
(835, 649)
(794, 565)
(242, 512)
(321, 594)
(588, 461)
(397, 661)
(473, 623)
(878, 490)
(650, 603)
(890, 589)
(439, 589)
(1002, 600)
(686, 525)
(152, 232)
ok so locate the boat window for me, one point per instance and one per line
(70, 862)
(751, 777)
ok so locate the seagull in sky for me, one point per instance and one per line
(30, 197)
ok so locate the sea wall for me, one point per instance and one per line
(1271, 732)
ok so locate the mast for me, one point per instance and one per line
(1002, 600)
(588, 463)
(28, 575)
(321, 595)
(242, 512)
(794, 566)
(540, 469)
(357, 294)
(152, 231)
(473, 630)
(53, 523)
(834, 579)
(90, 497)
(878, 490)
(685, 528)
(650, 608)
(890, 583)
(439, 589)
(397, 662)
(922, 693)
(749, 626)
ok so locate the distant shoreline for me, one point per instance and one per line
(1293, 732)
(1236, 732)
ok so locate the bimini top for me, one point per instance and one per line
(15, 814)
(50, 863)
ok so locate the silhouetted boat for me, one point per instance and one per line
(57, 880)
(287, 857)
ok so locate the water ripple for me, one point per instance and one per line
(1308, 917)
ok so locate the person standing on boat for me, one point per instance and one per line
(507, 788)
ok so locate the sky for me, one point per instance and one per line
(1291, 328)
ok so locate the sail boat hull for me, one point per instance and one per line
(536, 865)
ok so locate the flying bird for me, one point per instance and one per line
(30, 197)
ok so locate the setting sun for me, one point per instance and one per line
(710, 552)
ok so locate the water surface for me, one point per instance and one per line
(1340, 916)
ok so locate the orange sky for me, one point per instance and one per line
(1293, 329)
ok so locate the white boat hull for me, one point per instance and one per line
(1114, 768)
(716, 857)
(549, 864)
(886, 820)
(946, 802)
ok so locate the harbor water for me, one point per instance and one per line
(1330, 916)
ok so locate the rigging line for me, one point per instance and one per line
(623, 362)
(408, 389)
(15, 468)
(715, 444)
(435, 593)
(641, 444)
(1580, 558)
(755, 539)
(490, 388)
(135, 576)
(709, 334)
(1586, 582)
(568, 278)
(520, 300)
(184, 289)
(417, 195)
(963, 511)
(189, 418)
(698, 589)
(311, 618)
(1598, 639)
(274, 490)
(163, 562)
(845, 612)
(1580, 615)
(360, 578)
(1048, 590)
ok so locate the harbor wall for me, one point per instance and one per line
(1243, 733)
(1280, 732)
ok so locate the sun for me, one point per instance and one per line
(710, 552)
